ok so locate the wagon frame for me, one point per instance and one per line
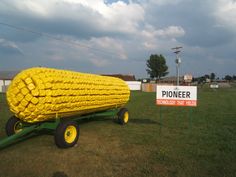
(66, 130)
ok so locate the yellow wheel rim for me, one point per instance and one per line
(70, 134)
(126, 117)
(17, 127)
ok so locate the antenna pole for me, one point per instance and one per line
(177, 61)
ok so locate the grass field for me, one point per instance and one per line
(183, 142)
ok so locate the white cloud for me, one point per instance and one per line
(40, 8)
(99, 62)
(125, 17)
(170, 32)
(226, 13)
(9, 46)
(165, 2)
(112, 34)
(111, 46)
(152, 36)
(98, 51)
(117, 17)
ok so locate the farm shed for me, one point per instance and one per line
(5, 79)
(129, 79)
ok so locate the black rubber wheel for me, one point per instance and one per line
(123, 116)
(66, 134)
(13, 126)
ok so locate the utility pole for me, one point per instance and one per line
(177, 61)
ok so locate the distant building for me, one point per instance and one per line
(7, 76)
(129, 79)
(5, 79)
(183, 80)
(208, 80)
(121, 76)
(172, 80)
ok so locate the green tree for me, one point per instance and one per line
(156, 66)
(234, 77)
(228, 78)
(212, 76)
(207, 76)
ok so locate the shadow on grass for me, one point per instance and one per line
(59, 174)
(94, 119)
(26, 137)
(45, 131)
(115, 120)
(143, 121)
(79, 122)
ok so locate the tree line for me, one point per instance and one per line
(212, 77)
(157, 68)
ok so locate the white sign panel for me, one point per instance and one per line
(176, 95)
(214, 86)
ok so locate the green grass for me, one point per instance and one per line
(184, 142)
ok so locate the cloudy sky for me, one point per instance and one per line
(110, 36)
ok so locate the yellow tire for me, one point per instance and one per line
(123, 116)
(66, 134)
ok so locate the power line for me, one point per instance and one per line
(55, 38)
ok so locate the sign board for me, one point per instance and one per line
(176, 95)
(188, 78)
(214, 86)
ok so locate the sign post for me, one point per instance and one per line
(176, 96)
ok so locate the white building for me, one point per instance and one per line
(5, 79)
(134, 85)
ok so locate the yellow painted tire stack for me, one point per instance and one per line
(41, 94)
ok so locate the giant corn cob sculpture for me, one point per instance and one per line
(41, 94)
